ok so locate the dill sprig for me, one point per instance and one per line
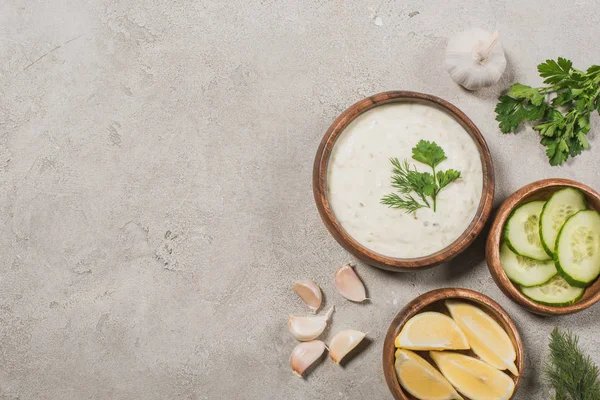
(572, 374)
(408, 180)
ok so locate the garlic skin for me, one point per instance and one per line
(305, 354)
(475, 58)
(309, 292)
(308, 328)
(343, 343)
(348, 284)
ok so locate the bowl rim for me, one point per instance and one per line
(433, 296)
(492, 248)
(348, 242)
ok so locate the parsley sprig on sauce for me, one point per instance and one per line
(419, 189)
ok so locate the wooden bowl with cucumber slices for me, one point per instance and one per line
(447, 341)
(543, 249)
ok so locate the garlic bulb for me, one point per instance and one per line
(349, 284)
(343, 343)
(475, 59)
(309, 292)
(305, 354)
(308, 328)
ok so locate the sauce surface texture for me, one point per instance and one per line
(359, 175)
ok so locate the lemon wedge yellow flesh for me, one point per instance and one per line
(473, 378)
(431, 331)
(421, 379)
(485, 336)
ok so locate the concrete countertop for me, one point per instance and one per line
(155, 186)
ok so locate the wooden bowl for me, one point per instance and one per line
(349, 243)
(433, 301)
(540, 190)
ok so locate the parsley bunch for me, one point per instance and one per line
(423, 184)
(565, 120)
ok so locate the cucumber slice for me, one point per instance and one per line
(561, 206)
(577, 254)
(556, 292)
(525, 271)
(522, 231)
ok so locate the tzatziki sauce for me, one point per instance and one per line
(359, 175)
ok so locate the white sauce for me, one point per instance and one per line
(359, 175)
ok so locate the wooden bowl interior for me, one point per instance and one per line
(346, 240)
(541, 190)
(434, 301)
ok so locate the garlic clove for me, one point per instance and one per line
(475, 58)
(309, 292)
(343, 342)
(305, 354)
(308, 328)
(349, 284)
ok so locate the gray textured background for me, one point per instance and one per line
(155, 185)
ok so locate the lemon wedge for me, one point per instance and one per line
(487, 338)
(474, 378)
(421, 379)
(431, 331)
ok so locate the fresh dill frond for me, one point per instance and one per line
(408, 180)
(572, 374)
(406, 202)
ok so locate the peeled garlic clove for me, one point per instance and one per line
(343, 343)
(305, 354)
(308, 328)
(309, 292)
(349, 284)
(475, 59)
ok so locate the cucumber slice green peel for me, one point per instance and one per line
(556, 292)
(525, 271)
(561, 205)
(522, 232)
(577, 254)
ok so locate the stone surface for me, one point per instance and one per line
(155, 186)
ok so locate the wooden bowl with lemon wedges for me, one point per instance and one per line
(453, 343)
(543, 249)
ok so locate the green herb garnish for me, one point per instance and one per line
(423, 184)
(577, 95)
(572, 374)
